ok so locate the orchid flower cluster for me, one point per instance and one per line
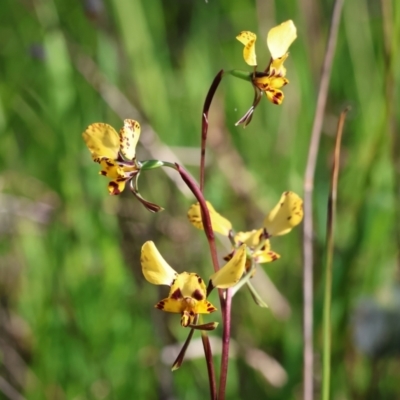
(115, 152)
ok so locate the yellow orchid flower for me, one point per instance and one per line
(273, 78)
(284, 216)
(116, 153)
(188, 293)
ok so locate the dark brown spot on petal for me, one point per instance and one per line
(114, 188)
(210, 307)
(289, 218)
(228, 256)
(273, 256)
(199, 280)
(277, 99)
(160, 305)
(176, 295)
(197, 295)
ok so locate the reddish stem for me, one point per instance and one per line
(205, 214)
(225, 302)
(204, 123)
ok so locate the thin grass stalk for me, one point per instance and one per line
(330, 230)
(391, 50)
(226, 337)
(308, 362)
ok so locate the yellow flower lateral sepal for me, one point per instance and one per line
(218, 222)
(273, 78)
(188, 292)
(115, 152)
(232, 271)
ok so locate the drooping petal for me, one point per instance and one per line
(129, 138)
(285, 215)
(275, 96)
(102, 141)
(232, 271)
(155, 269)
(249, 52)
(218, 222)
(117, 186)
(280, 38)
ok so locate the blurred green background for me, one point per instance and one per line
(76, 316)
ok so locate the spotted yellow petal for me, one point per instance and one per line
(117, 186)
(187, 296)
(110, 168)
(155, 269)
(189, 284)
(232, 271)
(129, 137)
(280, 38)
(278, 82)
(218, 222)
(102, 141)
(275, 96)
(285, 215)
(179, 305)
(265, 255)
(249, 52)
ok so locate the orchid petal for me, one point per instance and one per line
(280, 38)
(285, 215)
(102, 141)
(155, 269)
(249, 40)
(232, 271)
